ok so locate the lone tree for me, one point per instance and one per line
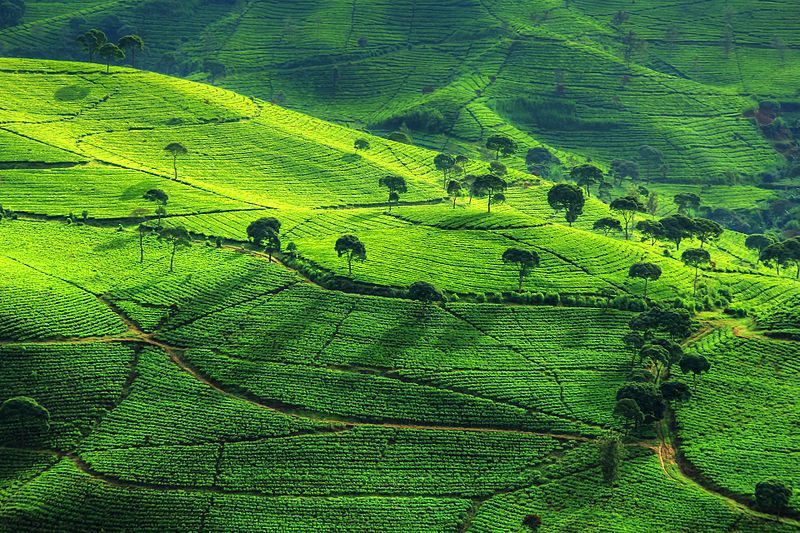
(586, 176)
(26, 416)
(627, 207)
(610, 455)
(490, 186)
(444, 163)
(259, 230)
(607, 225)
(177, 237)
(758, 242)
(139, 214)
(351, 248)
(501, 145)
(131, 43)
(396, 186)
(361, 144)
(675, 391)
(676, 228)
(161, 198)
(706, 230)
(775, 254)
(630, 415)
(111, 53)
(623, 168)
(175, 150)
(772, 496)
(454, 190)
(645, 271)
(424, 292)
(687, 202)
(567, 197)
(695, 257)
(524, 260)
(696, 364)
(92, 41)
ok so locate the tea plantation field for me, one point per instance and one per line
(212, 387)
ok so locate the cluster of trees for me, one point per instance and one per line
(176, 237)
(95, 42)
(654, 340)
(776, 253)
(490, 185)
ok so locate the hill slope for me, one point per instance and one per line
(236, 392)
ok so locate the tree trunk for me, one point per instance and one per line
(172, 257)
(133, 57)
(350, 264)
(108, 66)
(696, 273)
(454, 206)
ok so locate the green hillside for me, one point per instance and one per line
(239, 391)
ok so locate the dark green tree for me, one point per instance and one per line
(444, 163)
(490, 186)
(773, 496)
(586, 176)
(610, 455)
(396, 186)
(676, 228)
(161, 198)
(260, 230)
(775, 255)
(454, 190)
(687, 202)
(696, 364)
(675, 391)
(176, 237)
(111, 53)
(175, 150)
(131, 44)
(623, 168)
(92, 41)
(647, 397)
(567, 197)
(695, 258)
(607, 224)
(706, 230)
(792, 250)
(645, 271)
(524, 260)
(629, 414)
(758, 242)
(627, 207)
(361, 144)
(650, 229)
(657, 355)
(352, 249)
(500, 144)
(425, 292)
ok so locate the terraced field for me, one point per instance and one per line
(242, 392)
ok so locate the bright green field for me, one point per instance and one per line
(238, 393)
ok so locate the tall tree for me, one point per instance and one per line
(586, 176)
(775, 254)
(650, 229)
(490, 186)
(444, 163)
(645, 271)
(773, 496)
(610, 454)
(627, 207)
(758, 242)
(607, 224)
(623, 168)
(176, 237)
(111, 52)
(161, 198)
(675, 391)
(425, 292)
(131, 43)
(792, 250)
(25, 416)
(501, 144)
(630, 415)
(352, 249)
(259, 230)
(567, 197)
(524, 260)
(139, 215)
(454, 190)
(175, 150)
(696, 364)
(695, 258)
(657, 355)
(676, 228)
(396, 186)
(92, 41)
(687, 202)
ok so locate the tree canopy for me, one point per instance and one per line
(352, 249)
(627, 207)
(525, 261)
(645, 271)
(501, 144)
(567, 197)
(490, 186)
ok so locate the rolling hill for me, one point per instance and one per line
(246, 392)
